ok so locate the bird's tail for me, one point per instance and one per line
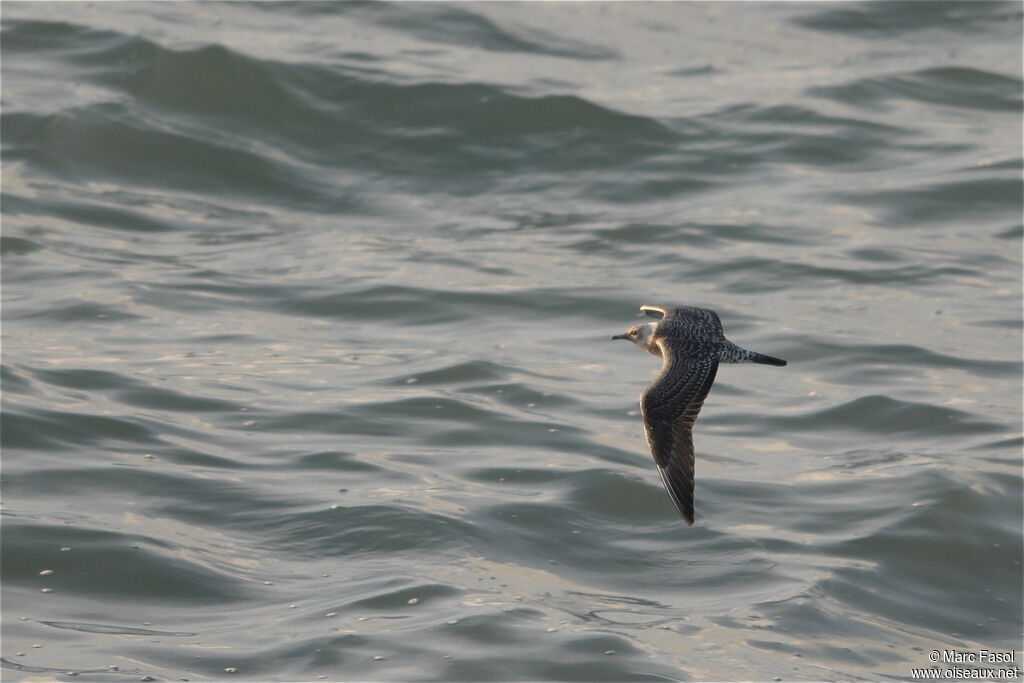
(736, 354)
(765, 360)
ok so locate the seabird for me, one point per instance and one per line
(691, 344)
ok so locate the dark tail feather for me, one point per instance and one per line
(766, 360)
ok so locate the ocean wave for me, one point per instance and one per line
(306, 351)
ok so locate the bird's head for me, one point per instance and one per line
(642, 336)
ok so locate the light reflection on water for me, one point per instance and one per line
(306, 316)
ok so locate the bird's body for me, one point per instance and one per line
(691, 344)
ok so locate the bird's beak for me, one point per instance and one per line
(618, 336)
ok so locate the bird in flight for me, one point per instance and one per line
(691, 344)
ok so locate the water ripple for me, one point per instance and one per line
(306, 308)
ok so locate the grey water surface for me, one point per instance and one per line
(306, 358)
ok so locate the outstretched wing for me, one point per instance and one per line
(670, 407)
(701, 317)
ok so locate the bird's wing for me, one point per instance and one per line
(654, 311)
(670, 407)
(690, 314)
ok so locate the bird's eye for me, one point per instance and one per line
(632, 333)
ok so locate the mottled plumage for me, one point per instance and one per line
(691, 344)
